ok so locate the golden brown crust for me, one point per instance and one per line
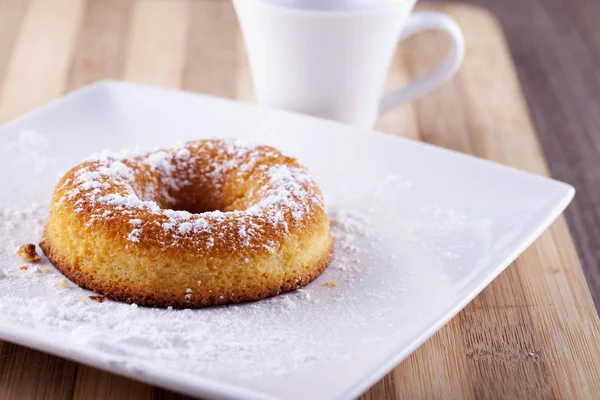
(113, 227)
(28, 253)
(148, 299)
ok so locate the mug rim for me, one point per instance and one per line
(392, 6)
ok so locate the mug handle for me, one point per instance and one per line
(420, 22)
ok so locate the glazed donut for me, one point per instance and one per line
(209, 222)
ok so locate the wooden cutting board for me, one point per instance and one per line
(533, 333)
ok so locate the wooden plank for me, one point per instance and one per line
(11, 16)
(212, 51)
(157, 56)
(100, 49)
(401, 121)
(431, 372)
(30, 374)
(93, 384)
(244, 84)
(37, 67)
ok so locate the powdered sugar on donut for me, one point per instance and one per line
(107, 188)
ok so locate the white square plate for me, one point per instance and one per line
(420, 231)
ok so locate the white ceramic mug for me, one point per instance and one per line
(333, 63)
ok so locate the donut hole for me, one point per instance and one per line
(204, 195)
(214, 180)
(193, 199)
(197, 201)
(197, 204)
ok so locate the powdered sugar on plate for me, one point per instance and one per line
(238, 339)
(28, 147)
(317, 328)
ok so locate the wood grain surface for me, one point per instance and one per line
(556, 47)
(533, 333)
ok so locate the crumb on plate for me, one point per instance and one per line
(99, 299)
(28, 253)
(330, 284)
(63, 284)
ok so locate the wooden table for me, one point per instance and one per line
(533, 333)
(556, 47)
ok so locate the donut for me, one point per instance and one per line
(205, 223)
